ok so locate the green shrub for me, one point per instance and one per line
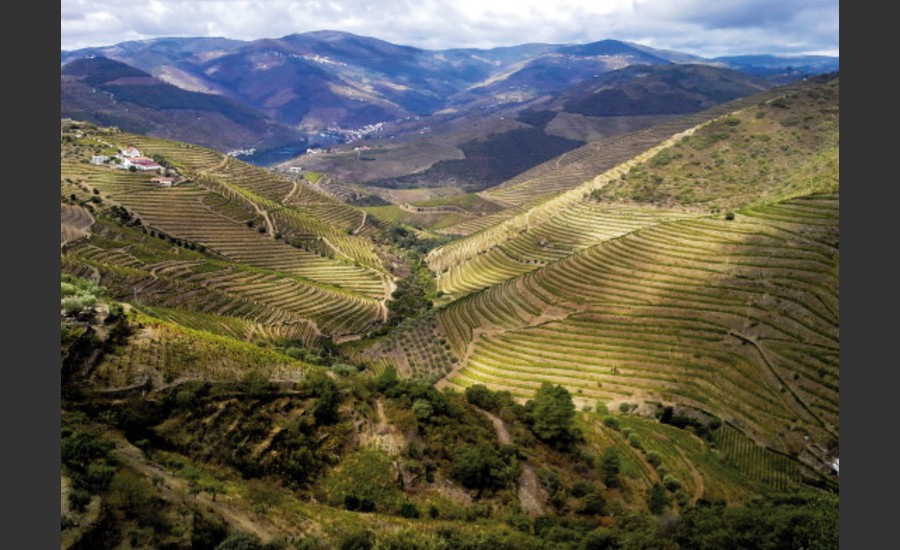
(671, 482)
(409, 510)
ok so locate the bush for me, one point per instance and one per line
(657, 500)
(635, 441)
(361, 539)
(484, 467)
(366, 477)
(351, 502)
(610, 466)
(408, 510)
(79, 499)
(422, 410)
(593, 504)
(66, 522)
(729, 216)
(611, 422)
(671, 482)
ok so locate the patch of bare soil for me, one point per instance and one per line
(382, 434)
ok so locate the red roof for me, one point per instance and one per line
(144, 161)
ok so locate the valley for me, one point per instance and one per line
(548, 322)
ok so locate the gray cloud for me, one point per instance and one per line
(703, 27)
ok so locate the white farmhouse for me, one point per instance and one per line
(130, 152)
(140, 163)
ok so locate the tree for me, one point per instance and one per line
(671, 482)
(550, 413)
(409, 510)
(422, 410)
(480, 396)
(483, 467)
(328, 398)
(610, 466)
(657, 500)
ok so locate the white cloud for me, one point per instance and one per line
(704, 27)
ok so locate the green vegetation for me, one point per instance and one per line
(550, 414)
(743, 159)
(586, 374)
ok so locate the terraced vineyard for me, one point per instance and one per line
(741, 159)
(210, 249)
(730, 466)
(421, 351)
(472, 225)
(757, 462)
(577, 226)
(162, 353)
(542, 234)
(294, 209)
(281, 304)
(739, 318)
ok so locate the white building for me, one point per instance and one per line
(140, 163)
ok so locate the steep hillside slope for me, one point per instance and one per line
(734, 314)
(478, 147)
(775, 145)
(227, 239)
(111, 93)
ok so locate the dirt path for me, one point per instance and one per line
(389, 287)
(699, 479)
(365, 217)
(797, 402)
(529, 489)
(499, 427)
(291, 193)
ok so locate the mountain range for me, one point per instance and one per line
(334, 86)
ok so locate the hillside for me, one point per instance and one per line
(688, 300)
(474, 148)
(110, 93)
(227, 239)
(229, 450)
(723, 162)
(636, 345)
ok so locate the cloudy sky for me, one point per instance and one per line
(703, 27)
